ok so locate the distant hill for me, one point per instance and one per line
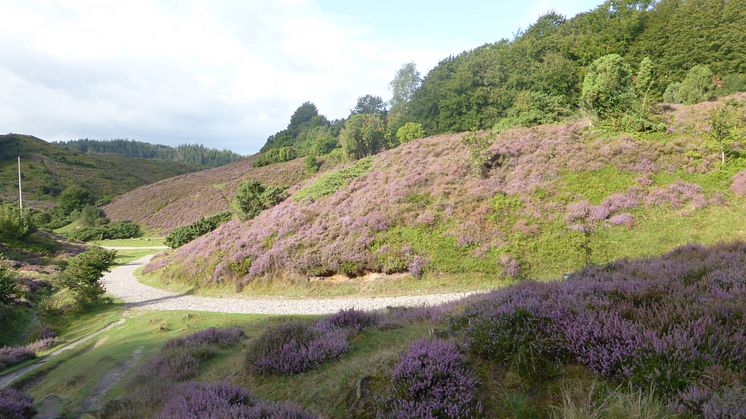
(192, 154)
(49, 168)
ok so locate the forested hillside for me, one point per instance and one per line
(192, 154)
(49, 169)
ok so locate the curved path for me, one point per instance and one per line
(121, 282)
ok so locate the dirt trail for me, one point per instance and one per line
(121, 282)
(93, 401)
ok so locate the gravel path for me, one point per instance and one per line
(121, 282)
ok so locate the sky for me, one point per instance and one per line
(224, 73)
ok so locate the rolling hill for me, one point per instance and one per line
(556, 198)
(48, 169)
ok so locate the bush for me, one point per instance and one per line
(12, 225)
(362, 135)
(83, 273)
(253, 197)
(10, 356)
(671, 95)
(275, 155)
(607, 88)
(16, 405)
(328, 183)
(74, 199)
(479, 155)
(727, 127)
(8, 284)
(410, 131)
(534, 108)
(431, 380)
(224, 400)
(184, 234)
(92, 216)
(113, 231)
(697, 85)
(295, 347)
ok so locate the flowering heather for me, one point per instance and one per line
(432, 380)
(739, 183)
(355, 320)
(417, 266)
(666, 321)
(294, 347)
(181, 357)
(10, 356)
(42, 344)
(622, 219)
(16, 405)
(223, 400)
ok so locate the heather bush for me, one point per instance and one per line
(184, 234)
(16, 405)
(355, 320)
(223, 400)
(10, 356)
(252, 198)
(432, 380)
(665, 322)
(294, 347)
(738, 186)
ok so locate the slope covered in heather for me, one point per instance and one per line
(184, 199)
(557, 197)
(48, 169)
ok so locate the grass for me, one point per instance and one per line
(147, 241)
(330, 182)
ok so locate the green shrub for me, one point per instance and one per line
(534, 108)
(727, 127)
(697, 85)
(607, 88)
(8, 285)
(117, 230)
(410, 131)
(83, 273)
(363, 135)
(671, 95)
(253, 197)
(74, 199)
(275, 155)
(12, 225)
(479, 155)
(328, 183)
(92, 216)
(184, 234)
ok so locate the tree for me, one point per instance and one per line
(643, 83)
(410, 131)
(363, 135)
(12, 225)
(8, 285)
(607, 88)
(727, 124)
(406, 81)
(369, 104)
(82, 275)
(697, 85)
(252, 198)
(304, 113)
(74, 198)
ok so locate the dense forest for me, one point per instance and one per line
(193, 154)
(537, 76)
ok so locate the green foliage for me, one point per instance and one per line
(697, 85)
(312, 164)
(410, 131)
(479, 156)
(8, 284)
(607, 90)
(184, 234)
(252, 198)
(534, 108)
(83, 273)
(671, 95)
(275, 155)
(113, 231)
(92, 216)
(13, 226)
(370, 105)
(643, 84)
(328, 183)
(727, 127)
(74, 198)
(405, 83)
(301, 132)
(363, 135)
(193, 154)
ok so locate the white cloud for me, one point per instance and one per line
(224, 73)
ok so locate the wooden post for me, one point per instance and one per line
(20, 189)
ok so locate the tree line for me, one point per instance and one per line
(193, 154)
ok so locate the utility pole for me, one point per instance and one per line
(20, 189)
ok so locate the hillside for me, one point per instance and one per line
(184, 199)
(48, 169)
(556, 198)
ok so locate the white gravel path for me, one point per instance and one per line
(121, 282)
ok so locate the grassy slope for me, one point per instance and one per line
(184, 199)
(47, 165)
(420, 199)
